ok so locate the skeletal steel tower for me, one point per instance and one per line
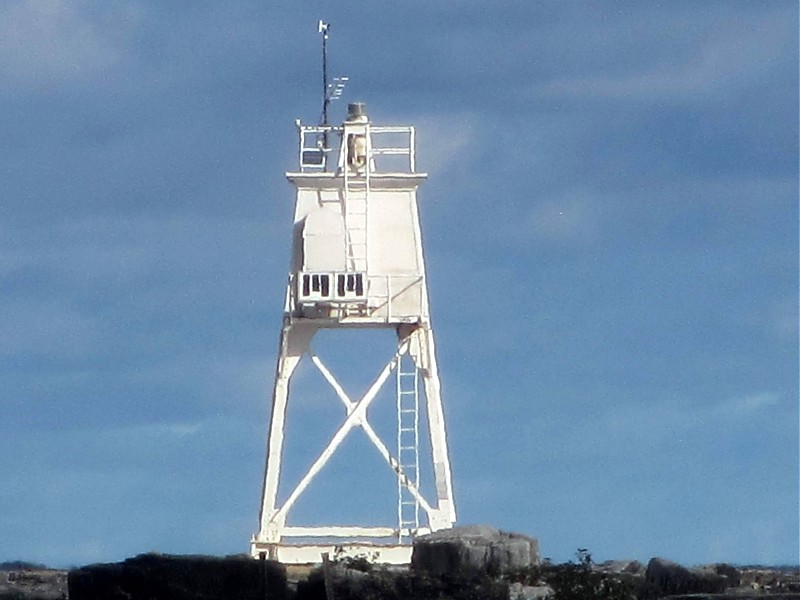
(357, 263)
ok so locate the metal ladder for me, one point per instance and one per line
(407, 446)
(355, 208)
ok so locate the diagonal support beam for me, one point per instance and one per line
(355, 417)
(373, 437)
(348, 404)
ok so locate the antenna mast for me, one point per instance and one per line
(330, 91)
(323, 28)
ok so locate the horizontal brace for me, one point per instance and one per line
(396, 151)
(335, 531)
(391, 129)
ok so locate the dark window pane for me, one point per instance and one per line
(326, 285)
(313, 157)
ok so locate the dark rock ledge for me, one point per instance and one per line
(469, 563)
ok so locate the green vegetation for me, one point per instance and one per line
(578, 581)
(356, 578)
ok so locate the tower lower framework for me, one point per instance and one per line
(387, 544)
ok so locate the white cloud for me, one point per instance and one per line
(752, 403)
(445, 140)
(782, 319)
(121, 248)
(650, 425)
(150, 432)
(48, 41)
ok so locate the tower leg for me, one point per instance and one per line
(294, 342)
(423, 353)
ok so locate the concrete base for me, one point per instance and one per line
(305, 554)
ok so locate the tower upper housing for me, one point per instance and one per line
(356, 252)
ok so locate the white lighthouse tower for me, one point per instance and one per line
(357, 263)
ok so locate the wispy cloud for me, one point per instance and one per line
(752, 403)
(613, 276)
(33, 328)
(651, 425)
(47, 41)
(148, 433)
(733, 54)
(447, 140)
(782, 319)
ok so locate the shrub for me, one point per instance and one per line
(578, 581)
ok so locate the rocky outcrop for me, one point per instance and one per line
(474, 548)
(24, 581)
(472, 563)
(380, 582)
(667, 578)
(620, 567)
(770, 580)
(162, 577)
(518, 591)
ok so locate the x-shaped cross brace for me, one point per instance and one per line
(356, 416)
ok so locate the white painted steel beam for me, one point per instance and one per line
(356, 416)
(293, 343)
(345, 531)
(370, 432)
(342, 531)
(441, 462)
(309, 554)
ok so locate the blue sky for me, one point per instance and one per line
(611, 230)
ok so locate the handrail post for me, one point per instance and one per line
(411, 150)
(388, 298)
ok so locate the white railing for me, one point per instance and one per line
(316, 144)
(388, 299)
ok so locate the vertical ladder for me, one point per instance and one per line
(407, 446)
(356, 203)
